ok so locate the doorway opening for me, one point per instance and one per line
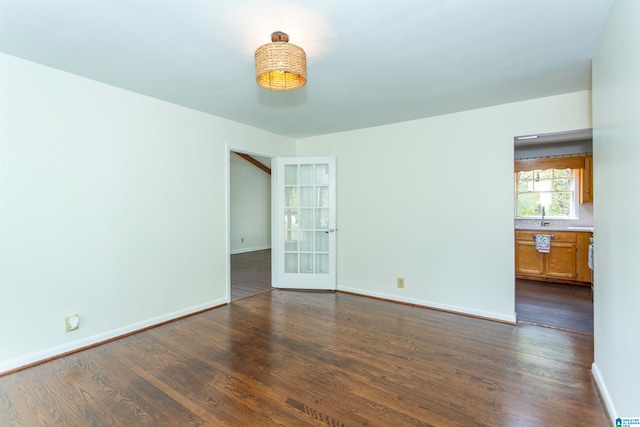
(249, 223)
(553, 222)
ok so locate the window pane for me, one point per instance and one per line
(322, 174)
(323, 197)
(525, 175)
(563, 173)
(525, 185)
(291, 241)
(290, 174)
(306, 241)
(322, 264)
(306, 174)
(528, 204)
(562, 184)
(306, 219)
(306, 197)
(560, 204)
(290, 219)
(543, 185)
(290, 263)
(322, 241)
(291, 197)
(306, 263)
(543, 174)
(322, 219)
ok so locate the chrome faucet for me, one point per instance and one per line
(542, 221)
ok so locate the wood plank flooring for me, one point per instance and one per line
(555, 305)
(318, 359)
(250, 273)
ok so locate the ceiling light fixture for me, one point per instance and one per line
(281, 65)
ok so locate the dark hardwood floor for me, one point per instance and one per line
(555, 305)
(319, 359)
(250, 273)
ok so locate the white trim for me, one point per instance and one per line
(602, 388)
(250, 151)
(104, 336)
(429, 304)
(245, 250)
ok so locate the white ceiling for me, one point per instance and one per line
(369, 62)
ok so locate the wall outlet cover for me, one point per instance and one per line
(72, 322)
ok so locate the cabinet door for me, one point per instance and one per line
(586, 181)
(561, 261)
(582, 257)
(528, 259)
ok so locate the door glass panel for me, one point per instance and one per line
(291, 197)
(306, 263)
(322, 197)
(322, 263)
(322, 219)
(306, 174)
(322, 174)
(291, 241)
(322, 241)
(307, 197)
(291, 263)
(306, 219)
(306, 241)
(290, 219)
(291, 175)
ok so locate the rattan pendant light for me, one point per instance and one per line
(281, 65)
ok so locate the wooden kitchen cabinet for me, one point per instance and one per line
(586, 180)
(528, 260)
(563, 263)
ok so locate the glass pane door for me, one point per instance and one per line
(305, 230)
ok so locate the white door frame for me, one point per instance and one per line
(252, 152)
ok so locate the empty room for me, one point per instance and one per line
(395, 175)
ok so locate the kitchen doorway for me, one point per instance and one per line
(552, 285)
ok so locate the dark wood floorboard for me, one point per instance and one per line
(290, 358)
(250, 273)
(555, 305)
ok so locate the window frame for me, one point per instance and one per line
(575, 195)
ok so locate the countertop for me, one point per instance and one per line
(552, 228)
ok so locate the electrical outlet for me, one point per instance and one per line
(401, 282)
(242, 240)
(71, 323)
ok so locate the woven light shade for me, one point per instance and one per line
(281, 65)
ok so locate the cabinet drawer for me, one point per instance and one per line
(558, 236)
(563, 236)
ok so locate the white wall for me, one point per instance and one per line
(616, 157)
(250, 206)
(113, 206)
(431, 200)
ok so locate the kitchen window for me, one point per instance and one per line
(553, 189)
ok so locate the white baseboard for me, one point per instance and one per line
(604, 393)
(50, 352)
(243, 250)
(430, 304)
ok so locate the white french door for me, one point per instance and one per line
(304, 250)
